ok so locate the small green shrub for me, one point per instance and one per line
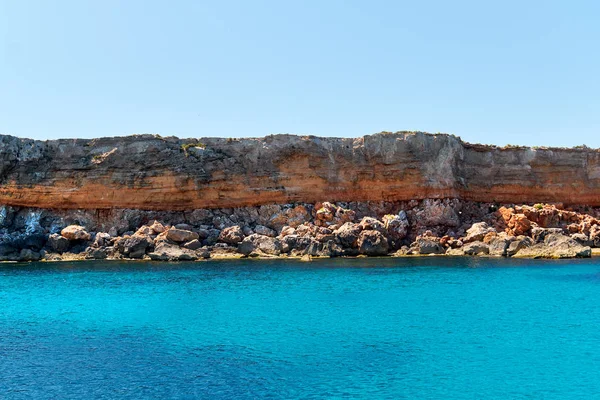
(538, 206)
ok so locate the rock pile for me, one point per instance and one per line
(429, 227)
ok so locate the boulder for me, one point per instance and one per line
(102, 239)
(157, 227)
(287, 230)
(372, 224)
(477, 232)
(372, 243)
(170, 252)
(519, 243)
(539, 234)
(263, 230)
(185, 227)
(134, 246)
(232, 235)
(555, 245)
(94, 253)
(426, 245)
(144, 230)
(327, 249)
(256, 243)
(582, 239)
(396, 225)
(29, 255)
(180, 235)
(75, 232)
(58, 243)
(326, 212)
(475, 249)
(193, 244)
(348, 234)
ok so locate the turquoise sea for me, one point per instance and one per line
(426, 328)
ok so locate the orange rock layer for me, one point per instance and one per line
(150, 172)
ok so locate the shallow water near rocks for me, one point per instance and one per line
(451, 328)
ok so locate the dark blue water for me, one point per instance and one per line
(381, 328)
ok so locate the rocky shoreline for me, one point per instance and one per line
(450, 226)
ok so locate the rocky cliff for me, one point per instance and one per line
(150, 172)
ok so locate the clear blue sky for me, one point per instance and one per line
(520, 72)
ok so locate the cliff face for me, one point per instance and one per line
(154, 173)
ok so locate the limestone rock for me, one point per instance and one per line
(426, 245)
(475, 249)
(180, 235)
(58, 243)
(477, 232)
(369, 223)
(396, 225)
(372, 243)
(348, 234)
(75, 232)
(232, 235)
(193, 244)
(555, 246)
(263, 230)
(169, 252)
(261, 244)
(134, 246)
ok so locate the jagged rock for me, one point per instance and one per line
(555, 246)
(348, 234)
(134, 246)
(372, 243)
(475, 249)
(261, 244)
(169, 252)
(326, 212)
(181, 235)
(193, 244)
(75, 232)
(477, 232)
(498, 244)
(157, 227)
(232, 235)
(94, 253)
(437, 213)
(396, 225)
(286, 231)
(184, 227)
(263, 230)
(519, 243)
(539, 234)
(582, 239)
(29, 255)
(595, 235)
(58, 243)
(101, 240)
(372, 224)
(326, 249)
(426, 245)
(144, 230)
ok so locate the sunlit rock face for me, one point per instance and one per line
(154, 173)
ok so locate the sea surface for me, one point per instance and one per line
(415, 328)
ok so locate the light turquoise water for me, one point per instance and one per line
(434, 328)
